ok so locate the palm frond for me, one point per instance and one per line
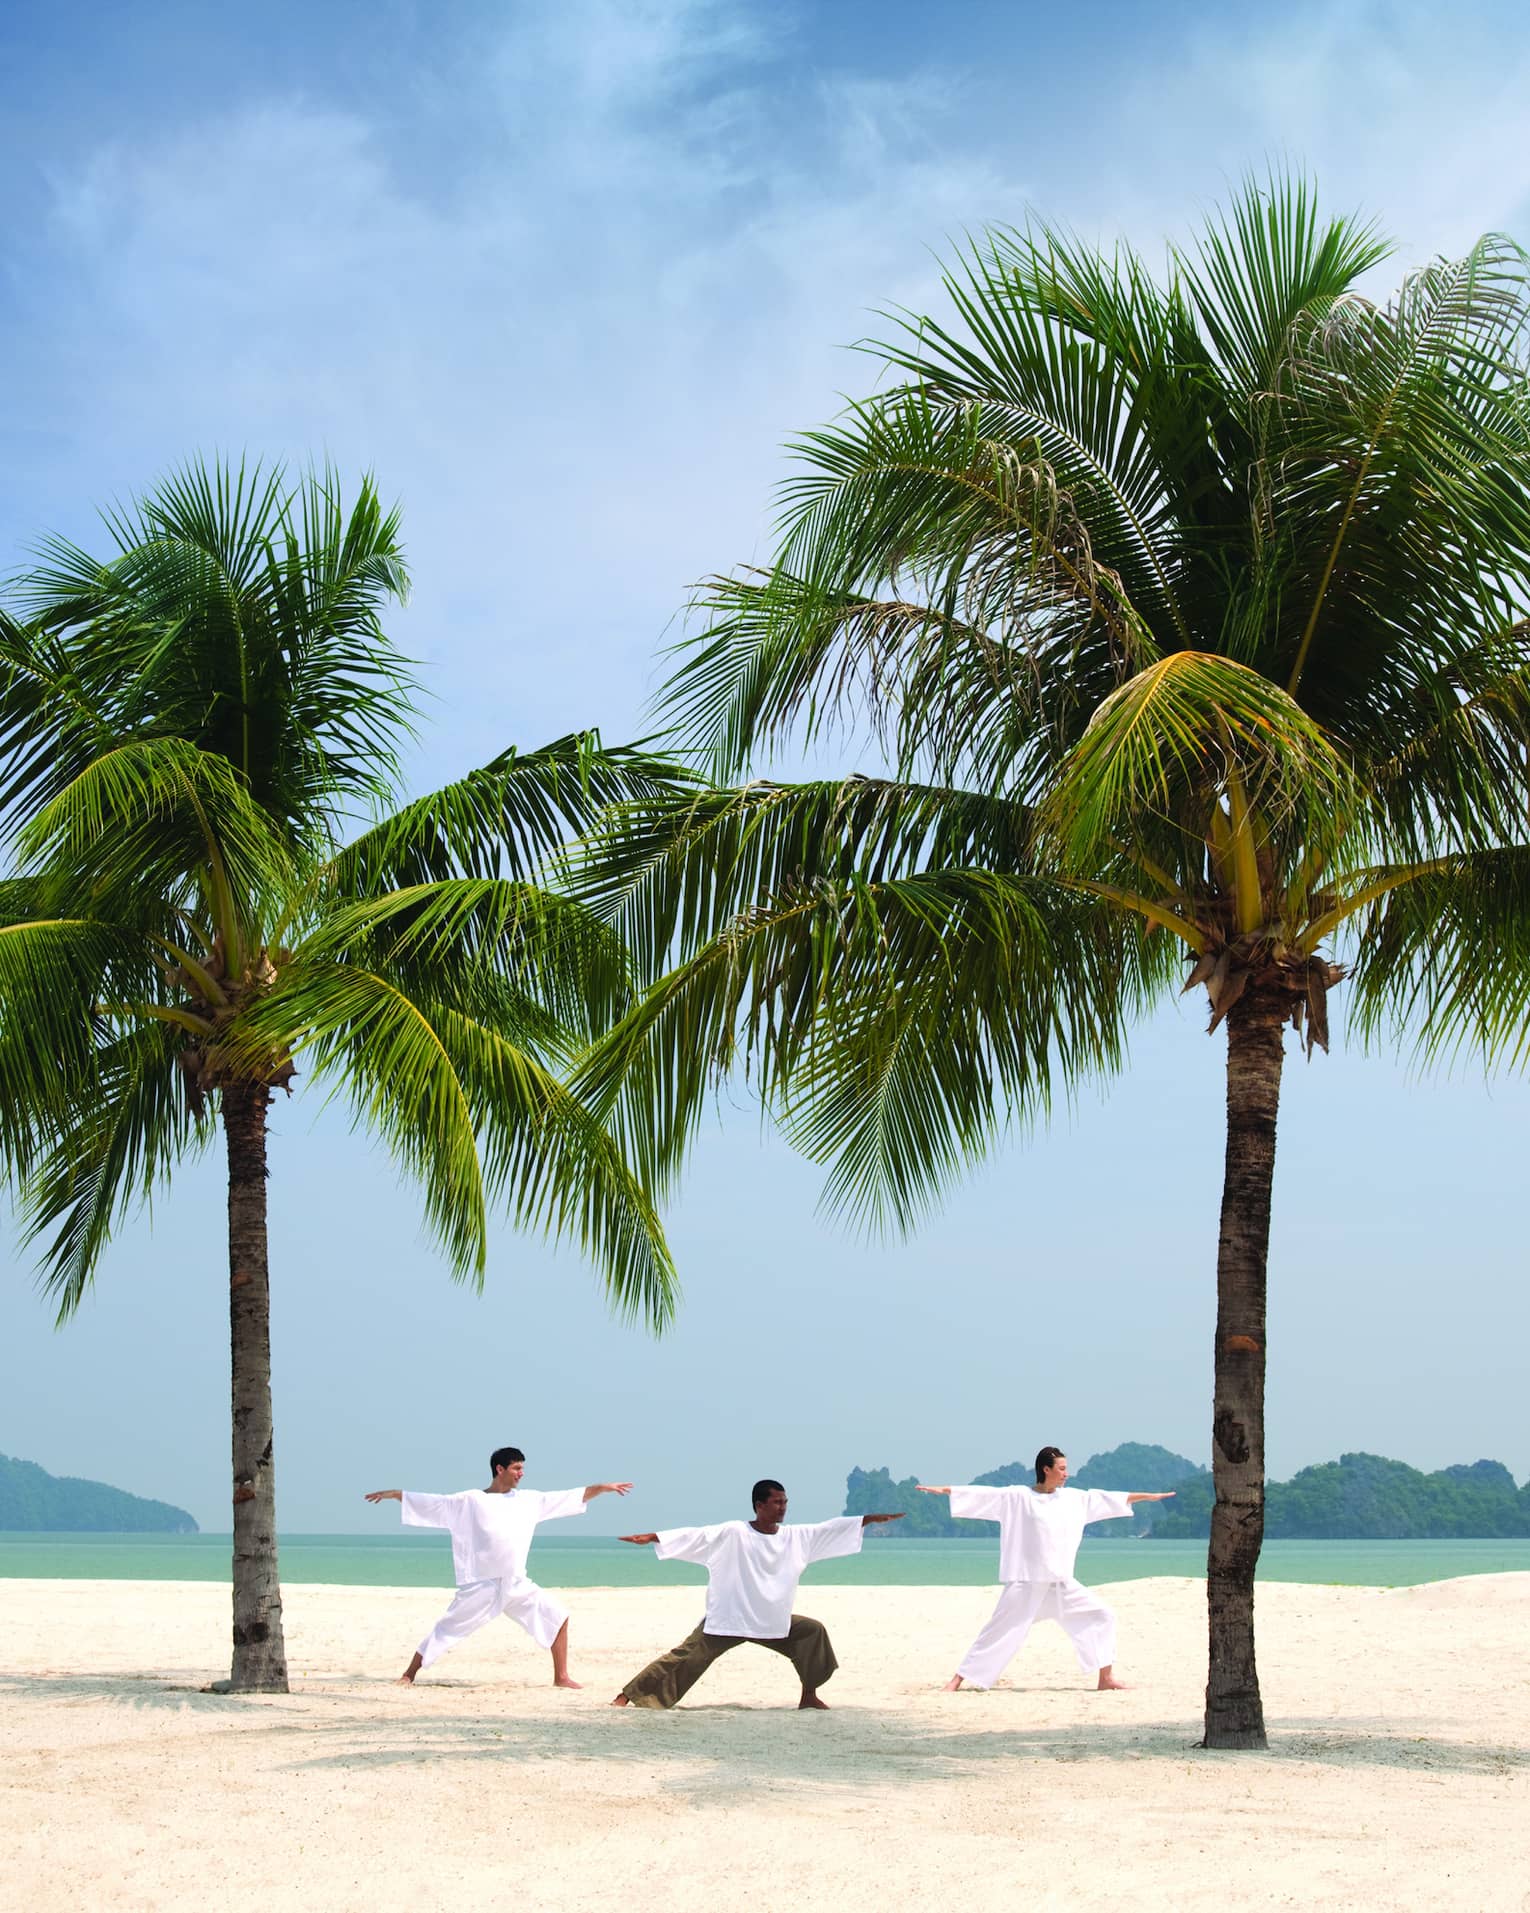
(1167, 748)
(55, 973)
(244, 615)
(471, 934)
(1077, 354)
(984, 993)
(52, 719)
(128, 1127)
(1265, 265)
(510, 819)
(909, 503)
(807, 992)
(1460, 781)
(557, 1169)
(474, 1116)
(1443, 960)
(1404, 455)
(672, 874)
(795, 915)
(367, 1036)
(158, 821)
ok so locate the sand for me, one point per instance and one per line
(1398, 1773)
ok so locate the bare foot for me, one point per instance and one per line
(564, 1680)
(1107, 1682)
(621, 1701)
(952, 1685)
(812, 1700)
(405, 1680)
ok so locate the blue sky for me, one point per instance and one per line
(567, 277)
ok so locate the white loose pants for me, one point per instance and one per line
(1088, 1623)
(476, 1603)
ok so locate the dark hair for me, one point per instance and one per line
(763, 1488)
(1044, 1461)
(502, 1458)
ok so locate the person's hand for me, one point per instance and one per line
(1167, 1495)
(613, 1487)
(386, 1494)
(932, 1491)
(639, 1540)
(867, 1520)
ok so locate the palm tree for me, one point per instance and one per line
(199, 745)
(1187, 616)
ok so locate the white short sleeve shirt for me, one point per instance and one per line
(752, 1577)
(491, 1534)
(1038, 1533)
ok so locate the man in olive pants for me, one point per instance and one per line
(664, 1681)
(753, 1568)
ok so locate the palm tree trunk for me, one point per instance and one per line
(260, 1653)
(1255, 1046)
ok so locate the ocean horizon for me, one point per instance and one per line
(424, 1560)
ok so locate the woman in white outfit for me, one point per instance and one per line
(1039, 1532)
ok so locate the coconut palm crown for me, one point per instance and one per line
(213, 889)
(1186, 614)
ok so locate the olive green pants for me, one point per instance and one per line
(664, 1681)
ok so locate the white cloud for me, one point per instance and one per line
(575, 358)
(574, 337)
(1413, 114)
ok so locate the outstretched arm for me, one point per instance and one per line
(867, 1520)
(606, 1488)
(1163, 1497)
(386, 1494)
(640, 1540)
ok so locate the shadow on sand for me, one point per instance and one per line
(729, 1750)
(726, 1751)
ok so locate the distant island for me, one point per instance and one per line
(1369, 1498)
(33, 1501)
(1356, 1498)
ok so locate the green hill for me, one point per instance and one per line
(1356, 1498)
(1369, 1498)
(33, 1501)
(1139, 1467)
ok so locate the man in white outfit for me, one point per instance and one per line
(1039, 1532)
(491, 1530)
(753, 1568)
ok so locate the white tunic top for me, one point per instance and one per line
(1038, 1533)
(752, 1577)
(491, 1534)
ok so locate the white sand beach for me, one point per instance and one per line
(1398, 1774)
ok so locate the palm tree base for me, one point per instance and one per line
(1232, 1739)
(260, 1660)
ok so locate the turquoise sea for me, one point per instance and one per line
(424, 1560)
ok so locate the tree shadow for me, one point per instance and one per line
(729, 1748)
(165, 1692)
(130, 1690)
(856, 1749)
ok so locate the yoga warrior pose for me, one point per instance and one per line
(491, 1530)
(753, 1568)
(1039, 1532)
